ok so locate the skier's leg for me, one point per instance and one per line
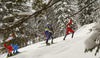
(15, 49)
(10, 51)
(52, 39)
(72, 32)
(72, 35)
(66, 34)
(64, 37)
(48, 36)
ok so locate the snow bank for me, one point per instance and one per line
(90, 41)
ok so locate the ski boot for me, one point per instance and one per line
(63, 38)
(14, 53)
(9, 54)
(51, 42)
(17, 52)
(47, 44)
(72, 35)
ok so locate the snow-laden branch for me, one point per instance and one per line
(97, 8)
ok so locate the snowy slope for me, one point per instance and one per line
(70, 48)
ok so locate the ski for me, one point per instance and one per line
(44, 44)
(16, 54)
(50, 43)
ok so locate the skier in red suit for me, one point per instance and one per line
(10, 48)
(69, 29)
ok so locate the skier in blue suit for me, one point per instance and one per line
(50, 33)
(15, 47)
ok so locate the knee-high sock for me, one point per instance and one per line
(72, 35)
(65, 36)
(52, 37)
(48, 36)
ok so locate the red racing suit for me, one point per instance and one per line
(69, 28)
(10, 48)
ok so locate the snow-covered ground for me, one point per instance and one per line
(70, 48)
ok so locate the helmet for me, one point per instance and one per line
(10, 34)
(48, 23)
(70, 19)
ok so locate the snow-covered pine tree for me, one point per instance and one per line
(93, 40)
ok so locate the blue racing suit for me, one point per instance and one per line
(50, 33)
(15, 47)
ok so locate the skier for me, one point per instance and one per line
(15, 47)
(49, 30)
(69, 29)
(9, 47)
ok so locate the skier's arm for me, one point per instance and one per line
(47, 29)
(69, 23)
(43, 33)
(4, 45)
